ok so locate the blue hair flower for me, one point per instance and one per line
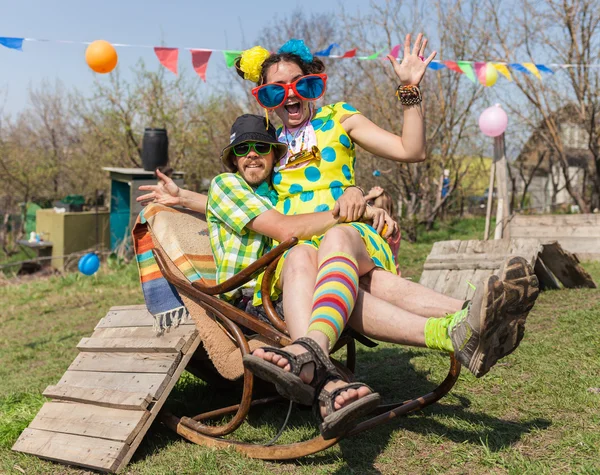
(298, 48)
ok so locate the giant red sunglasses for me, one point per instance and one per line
(309, 88)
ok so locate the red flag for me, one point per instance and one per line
(167, 57)
(395, 50)
(200, 59)
(453, 66)
(350, 54)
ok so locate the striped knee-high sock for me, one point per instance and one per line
(335, 295)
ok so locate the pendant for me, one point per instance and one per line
(293, 142)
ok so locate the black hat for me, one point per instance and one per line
(251, 128)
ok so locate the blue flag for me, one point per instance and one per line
(12, 43)
(326, 51)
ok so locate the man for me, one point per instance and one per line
(319, 293)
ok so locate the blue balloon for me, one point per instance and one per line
(89, 264)
(376, 173)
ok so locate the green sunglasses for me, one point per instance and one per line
(243, 149)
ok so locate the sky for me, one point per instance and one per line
(214, 24)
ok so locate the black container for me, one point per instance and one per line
(155, 149)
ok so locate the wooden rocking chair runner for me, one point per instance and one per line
(231, 319)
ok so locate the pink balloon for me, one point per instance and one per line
(493, 121)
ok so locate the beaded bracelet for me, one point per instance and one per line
(409, 95)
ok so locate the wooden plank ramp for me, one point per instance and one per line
(576, 233)
(452, 265)
(106, 401)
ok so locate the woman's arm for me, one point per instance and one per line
(411, 146)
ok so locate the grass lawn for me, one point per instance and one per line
(535, 412)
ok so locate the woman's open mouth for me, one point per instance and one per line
(294, 110)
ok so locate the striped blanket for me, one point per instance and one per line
(183, 235)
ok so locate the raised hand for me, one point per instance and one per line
(411, 69)
(165, 193)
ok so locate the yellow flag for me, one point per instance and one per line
(532, 68)
(502, 69)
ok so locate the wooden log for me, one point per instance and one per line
(126, 362)
(89, 420)
(101, 397)
(97, 454)
(151, 383)
(157, 345)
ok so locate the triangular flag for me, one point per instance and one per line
(12, 43)
(395, 50)
(374, 55)
(436, 65)
(230, 57)
(453, 66)
(533, 70)
(478, 67)
(519, 67)
(502, 69)
(467, 68)
(167, 57)
(350, 54)
(544, 69)
(200, 59)
(326, 51)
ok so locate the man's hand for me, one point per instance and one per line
(350, 206)
(165, 193)
(381, 221)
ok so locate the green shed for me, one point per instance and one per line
(124, 209)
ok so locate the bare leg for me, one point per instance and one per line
(407, 295)
(383, 321)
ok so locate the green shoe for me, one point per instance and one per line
(479, 333)
(522, 288)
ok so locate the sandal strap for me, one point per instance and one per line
(296, 361)
(328, 398)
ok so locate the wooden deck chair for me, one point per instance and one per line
(224, 344)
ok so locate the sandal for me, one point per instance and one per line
(338, 422)
(288, 383)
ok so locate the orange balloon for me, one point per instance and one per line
(101, 56)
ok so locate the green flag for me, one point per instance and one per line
(374, 55)
(230, 57)
(467, 68)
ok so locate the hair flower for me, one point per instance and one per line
(298, 48)
(251, 62)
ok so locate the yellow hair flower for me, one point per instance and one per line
(252, 61)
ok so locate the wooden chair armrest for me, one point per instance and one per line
(248, 273)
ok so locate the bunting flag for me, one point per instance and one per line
(467, 68)
(374, 55)
(436, 65)
(167, 57)
(544, 69)
(12, 43)
(327, 51)
(453, 66)
(532, 69)
(395, 50)
(502, 69)
(230, 57)
(350, 53)
(200, 59)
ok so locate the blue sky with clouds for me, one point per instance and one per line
(215, 24)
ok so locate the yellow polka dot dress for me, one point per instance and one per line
(317, 184)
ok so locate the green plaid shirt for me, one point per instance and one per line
(232, 204)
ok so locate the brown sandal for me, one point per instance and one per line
(288, 383)
(339, 422)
